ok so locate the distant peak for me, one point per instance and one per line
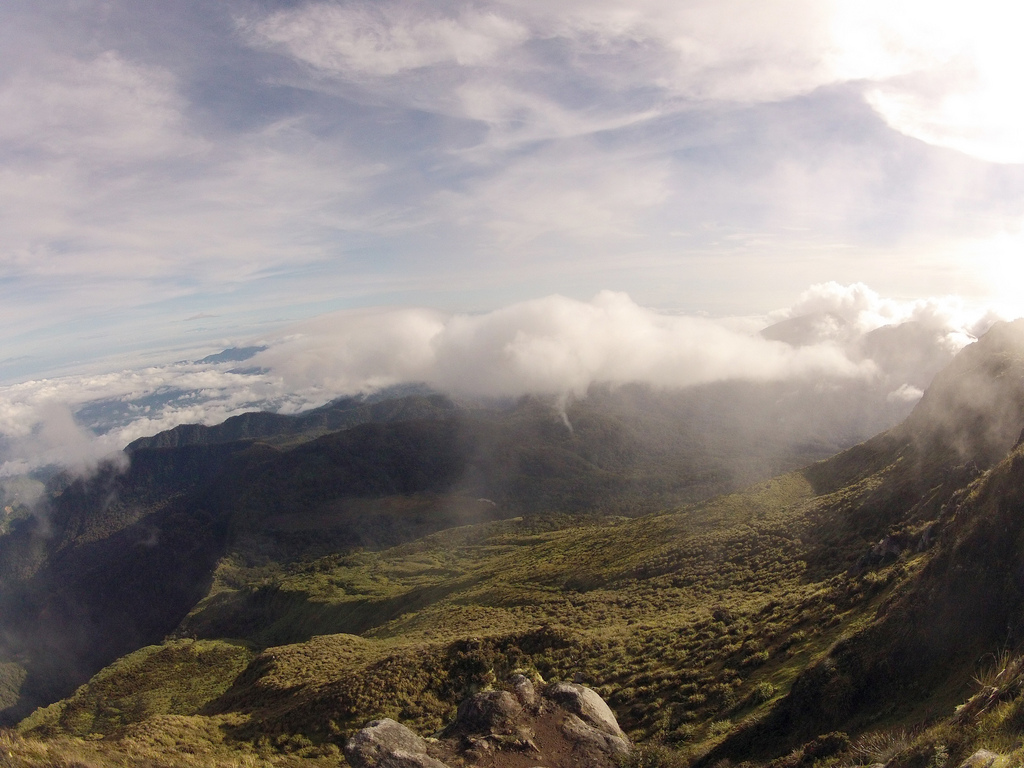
(975, 405)
(805, 330)
(232, 355)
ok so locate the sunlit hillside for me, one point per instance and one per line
(842, 611)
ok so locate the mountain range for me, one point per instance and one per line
(739, 592)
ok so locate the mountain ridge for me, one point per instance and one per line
(743, 627)
(262, 425)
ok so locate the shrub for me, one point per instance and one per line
(882, 746)
(828, 745)
(654, 756)
(763, 691)
(755, 659)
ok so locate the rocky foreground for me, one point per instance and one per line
(555, 725)
(558, 725)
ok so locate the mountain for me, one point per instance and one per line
(117, 560)
(947, 481)
(232, 355)
(338, 415)
(272, 597)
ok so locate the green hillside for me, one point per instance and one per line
(837, 615)
(111, 563)
(659, 614)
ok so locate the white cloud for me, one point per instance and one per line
(116, 192)
(386, 38)
(907, 393)
(104, 108)
(864, 310)
(733, 51)
(944, 73)
(110, 197)
(705, 49)
(576, 190)
(354, 351)
(908, 340)
(558, 345)
(701, 49)
(75, 134)
(55, 438)
(517, 116)
(38, 428)
(553, 346)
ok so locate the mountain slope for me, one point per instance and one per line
(340, 414)
(118, 559)
(814, 549)
(967, 602)
(857, 593)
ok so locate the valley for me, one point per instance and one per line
(255, 593)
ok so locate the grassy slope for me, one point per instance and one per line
(962, 618)
(741, 627)
(122, 557)
(177, 678)
(687, 621)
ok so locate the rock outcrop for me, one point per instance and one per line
(388, 744)
(561, 725)
(981, 759)
(587, 704)
(491, 713)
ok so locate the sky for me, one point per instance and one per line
(177, 178)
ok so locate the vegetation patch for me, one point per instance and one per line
(178, 678)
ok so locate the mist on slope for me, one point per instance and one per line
(862, 348)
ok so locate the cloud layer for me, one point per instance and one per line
(550, 346)
(555, 346)
(252, 163)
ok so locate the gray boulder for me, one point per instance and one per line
(587, 704)
(491, 712)
(591, 743)
(980, 759)
(562, 725)
(525, 691)
(388, 744)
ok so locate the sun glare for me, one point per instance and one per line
(946, 72)
(1000, 263)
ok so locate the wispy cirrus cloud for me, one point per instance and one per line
(111, 197)
(553, 84)
(264, 162)
(939, 73)
(385, 39)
